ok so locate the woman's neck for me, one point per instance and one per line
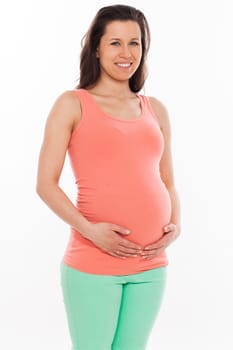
(112, 89)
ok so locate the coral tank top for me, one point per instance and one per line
(115, 163)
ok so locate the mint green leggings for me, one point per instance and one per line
(107, 312)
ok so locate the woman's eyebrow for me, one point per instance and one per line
(120, 39)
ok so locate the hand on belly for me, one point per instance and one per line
(159, 246)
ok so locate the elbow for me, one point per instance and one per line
(45, 186)
(40, 190)
(43, 189)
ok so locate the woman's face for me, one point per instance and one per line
(120, 50)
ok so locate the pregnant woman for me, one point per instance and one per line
(127, 211)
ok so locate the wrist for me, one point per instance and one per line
(86, 230)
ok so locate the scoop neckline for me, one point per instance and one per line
(111, 116)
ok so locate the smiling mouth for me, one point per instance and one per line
(124, 65)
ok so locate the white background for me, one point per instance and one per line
(190, 72)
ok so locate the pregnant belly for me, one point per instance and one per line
(143, 212)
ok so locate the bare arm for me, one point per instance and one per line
(166, 163)
(58, 129)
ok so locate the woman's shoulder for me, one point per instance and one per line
(66, 110)
(69, 99)
(69, 103)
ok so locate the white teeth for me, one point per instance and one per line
(123, 64)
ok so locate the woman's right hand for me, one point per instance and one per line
(107, 237)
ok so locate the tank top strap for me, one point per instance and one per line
(150, 113)
(146, 104)
(84, 99)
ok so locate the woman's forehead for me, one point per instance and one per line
(117, 29)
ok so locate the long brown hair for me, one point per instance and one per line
(89, 64)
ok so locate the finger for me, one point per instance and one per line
(130, 246)
(164, 240)
(156, 244)
(153, 251)
(154, 254)
(124, 254)
(153, 247)
(117, 255)
(130, 251)
(127, 253)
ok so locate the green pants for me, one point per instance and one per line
(107, 312)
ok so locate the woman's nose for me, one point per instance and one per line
(125, 51)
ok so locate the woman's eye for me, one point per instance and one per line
(133, 43)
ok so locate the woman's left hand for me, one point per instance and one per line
(171, 232)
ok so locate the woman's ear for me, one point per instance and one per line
(97, 53)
